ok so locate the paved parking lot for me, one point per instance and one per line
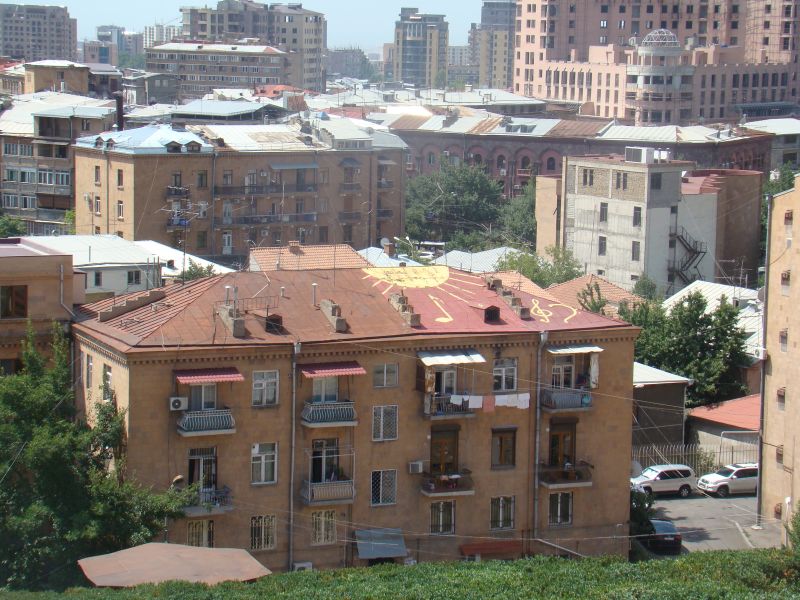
(710, 523)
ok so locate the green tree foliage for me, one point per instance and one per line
(559, 266)
(441, 79)
(197, 271)
(60, 501)
(518, 218)
(647, 289)
(641, 512)
(11, 227)
(591, 299)
(131, 61)
(707, 347)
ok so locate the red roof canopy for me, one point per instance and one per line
(740, 413)
(199, 376)
(334, 369)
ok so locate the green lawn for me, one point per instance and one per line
(743, 574)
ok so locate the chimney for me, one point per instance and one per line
(120, 116)
(294, 247)
(389, 249)
(334, 314)
(400, 303)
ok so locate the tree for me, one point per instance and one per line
(441, 79)
(11, 227)
(60, 501)
(196, 271)
(641, 512)
(518, 218)
(705, 346)
(646, 288)
(560, 267)
(591, 299)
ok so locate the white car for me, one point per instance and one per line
(739, 478)
(666, 479)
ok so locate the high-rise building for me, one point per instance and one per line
(32, 32)
(491, 44)
(93, 51)
(132, 43)
(111, 33)
(420, 57)
(686, 62)
(159, 33)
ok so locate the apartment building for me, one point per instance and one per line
(778, 486)
(94, 51)
(420, 54)
(33, 32)
(289, 27)
(143, 88)
(643, 213)
(426, 440)
(785, 141)
(37, 133)
(219, 190)
(155, 35)
(491, 44)
(204, 67)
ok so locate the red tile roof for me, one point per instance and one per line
(740, 413)
(297, 257)
(333, 369)
(198, 376)
(568, 291)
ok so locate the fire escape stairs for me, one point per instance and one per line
(686, 267)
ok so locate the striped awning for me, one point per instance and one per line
(333, 369)
(200, 376)
(578, 349)
(450, 357)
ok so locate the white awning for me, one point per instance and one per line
(380, 543)
(450, 357)
(578, 349)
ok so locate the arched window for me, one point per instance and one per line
(526, 162)
(551, 164)
(501, 162)
(431, 158)
(477, 158)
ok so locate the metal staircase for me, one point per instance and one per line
(686, 267)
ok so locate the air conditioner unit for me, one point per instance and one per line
(472, 558)
(502, 172)
(415, 467)
(302, 566)
(179, 403)
(760, 354)
(227, 249)
(446, 153)
(264, 173)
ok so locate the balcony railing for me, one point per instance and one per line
(349, 186)
(177, 191)
(210, 502)
(385, 213)
(265, 190)
(328, 492)
(450, 484)
(310, 217)
(329, 414)
(569, 476)
(207, 422)
(566, 399)
(349, 216)
(177, 222)
(442, 407)
(385, 184)
(524, 172)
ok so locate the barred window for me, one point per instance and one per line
(561, 508)
(384, 423)
(323, 527)
(200, 533)
(265, 388)
(264, 463)
(384, 487)
(384, 375)
(443, 517)
(502, 513)
(262, 532)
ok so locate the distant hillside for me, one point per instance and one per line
(743, 574)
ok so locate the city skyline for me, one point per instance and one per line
(339, 15)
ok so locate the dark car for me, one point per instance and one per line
(663, 537)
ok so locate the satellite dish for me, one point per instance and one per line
(385, 241)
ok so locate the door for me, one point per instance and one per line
(562, 374)
(203, 397)
(746, 481)
(444, 451)
(325, 460)
(203, 471)
(325, 389)
(446, 382)
(562, 445)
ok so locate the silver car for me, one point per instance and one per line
(666, 479)
(739, 478)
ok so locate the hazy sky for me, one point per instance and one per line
(365, 23)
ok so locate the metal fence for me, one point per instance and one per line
(703, 458)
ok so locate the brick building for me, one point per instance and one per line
(33, 32)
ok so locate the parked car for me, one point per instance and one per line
(739, 478)
(666, 479)
(663, 537)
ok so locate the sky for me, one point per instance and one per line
(364, 23)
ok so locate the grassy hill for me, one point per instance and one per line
(743, 574)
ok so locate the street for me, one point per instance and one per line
(710, 523)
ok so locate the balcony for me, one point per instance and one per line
(349, 186)
(210, 502)
(524, 172)
(329, 414)
(350, 216)
(566, 400)
(269, 218)
(206, 422)
(328, 492)
(177, 191)
(385, 214)
(440, 407)
(177, 223)
(566, 477)
(385, 184)
(265, 190)
(450, 484)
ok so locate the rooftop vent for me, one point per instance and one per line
(491, 314)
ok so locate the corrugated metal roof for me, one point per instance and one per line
(333, 369)
(96, 250)
(18, 120)
(200, 376)
(151, 139)
(786, 126)
(740, 413)
(574, 349)
(647, 375)
(303, 258)
(216, 48)
(476, 262)
(451, 357)
(168, 254)
(218, 108)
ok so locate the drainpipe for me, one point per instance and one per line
(61, 292)
(537, 442)
(213, 206)
(759, 493)
(295, 351)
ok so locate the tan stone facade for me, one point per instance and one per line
(385, 454)
(61, 76)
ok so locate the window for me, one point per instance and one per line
(604, 212)
(97, 174)
(265, 388)
(325, 389)
(120, 209)
(200, 533)
(621, 181)
(107, 383)
(384, 487)
(601, 246)
(505, 374)
(443, 518)
(86, 124)
(561, 508)
(384, 423)
(783, 338)
(120, 178)
(504, 442)
(323, 527)
(637, 216)
(97, 205)
(134, 277)
(445, 382)
(13, 301)
(502, 513)
(88, 372)
(262, 532)
(203, 397)
(202, 179)
(655, 181)
(98, 279)
(635, 251)
(264, 463)
(588, 177)
(563, 369)
(202, 239)
(384, 375)
(176, 179)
